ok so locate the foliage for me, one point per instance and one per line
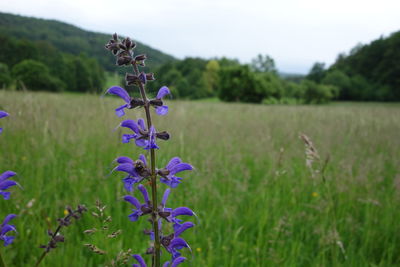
(34, 75)
(5, 76)
(317, 93)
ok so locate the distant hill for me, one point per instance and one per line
(71, 39)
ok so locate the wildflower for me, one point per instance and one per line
(161, 109)
(140, 260)
(315, 194)
(130, 101)
(141, 134)
(2, 115)
(136, 170)
(5, 228)
(5, 183)
(141, 209)
(174, 166)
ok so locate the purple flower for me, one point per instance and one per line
(174, 166)
(177, 244)
(2, 115)
(5, 183)
(143, 138)
(141, 209)
(136, 170)
(175, 262)
(158, 104)
(5, 228)
(122, 93)
(170, 215)
(140, 260)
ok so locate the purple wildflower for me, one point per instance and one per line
(5, 228)
(174, 166)
(158, 104)
(5, 183)
(2, 115)
(143, 138)
(141, 209)
(122, 93)
(136, 170)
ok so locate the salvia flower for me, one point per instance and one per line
(142, 263)
(158, 104)
(174, 166)
(2, 115)
(136, 170)
(131, 102)
(141, 209)
(5, 183)
(5, 228)
(175, 262)
(143, 138)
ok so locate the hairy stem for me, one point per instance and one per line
(157, 246)
(2, 264)
(45, 252)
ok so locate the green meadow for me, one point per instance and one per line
(258, 203)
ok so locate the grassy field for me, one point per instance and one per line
(258, 203)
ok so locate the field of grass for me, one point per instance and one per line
(258, 204)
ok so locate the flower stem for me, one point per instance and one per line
(2, 264)
(157, 246)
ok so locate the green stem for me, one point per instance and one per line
(157, 246)
(2, 264)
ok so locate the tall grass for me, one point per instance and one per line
(257, 202)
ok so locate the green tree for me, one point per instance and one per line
(263, 64)
(317, 72)
(34, 75)
(5, 76)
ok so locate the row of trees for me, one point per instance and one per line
(40, 66)
(194, 78)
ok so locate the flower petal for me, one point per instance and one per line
(140, 260)
(182, 211)
(183, 228)
(7, 174)
(7, 184)
(3, 114)
(165, 197)
(8, 218)
(141, 124)
(180, 167)
(163, 92)
(144, 192)
(178, 243)
(128, 168)
(120, 110)
(124, 159)
(178, 261)
(121, 92)
(163, 110)
(174, 161)
(131, 124)
(133, 200)
(143, 159)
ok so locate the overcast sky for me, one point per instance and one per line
(296, 33)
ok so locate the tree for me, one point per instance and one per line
(263, 64)
(34, 75)
(5, 76)
(317, 72)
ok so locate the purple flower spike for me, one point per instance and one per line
(5, 183)
(140, 134)
(174, 166)
(163, 92)
(121, 92)
(5, 228)
(140, 260)
(2, 115)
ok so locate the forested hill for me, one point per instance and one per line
(70, 39)
(369, 72)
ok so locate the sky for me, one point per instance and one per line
(296, 33)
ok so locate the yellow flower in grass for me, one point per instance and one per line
(198, 249)
(315, 194)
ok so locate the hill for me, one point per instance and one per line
(70, 39)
